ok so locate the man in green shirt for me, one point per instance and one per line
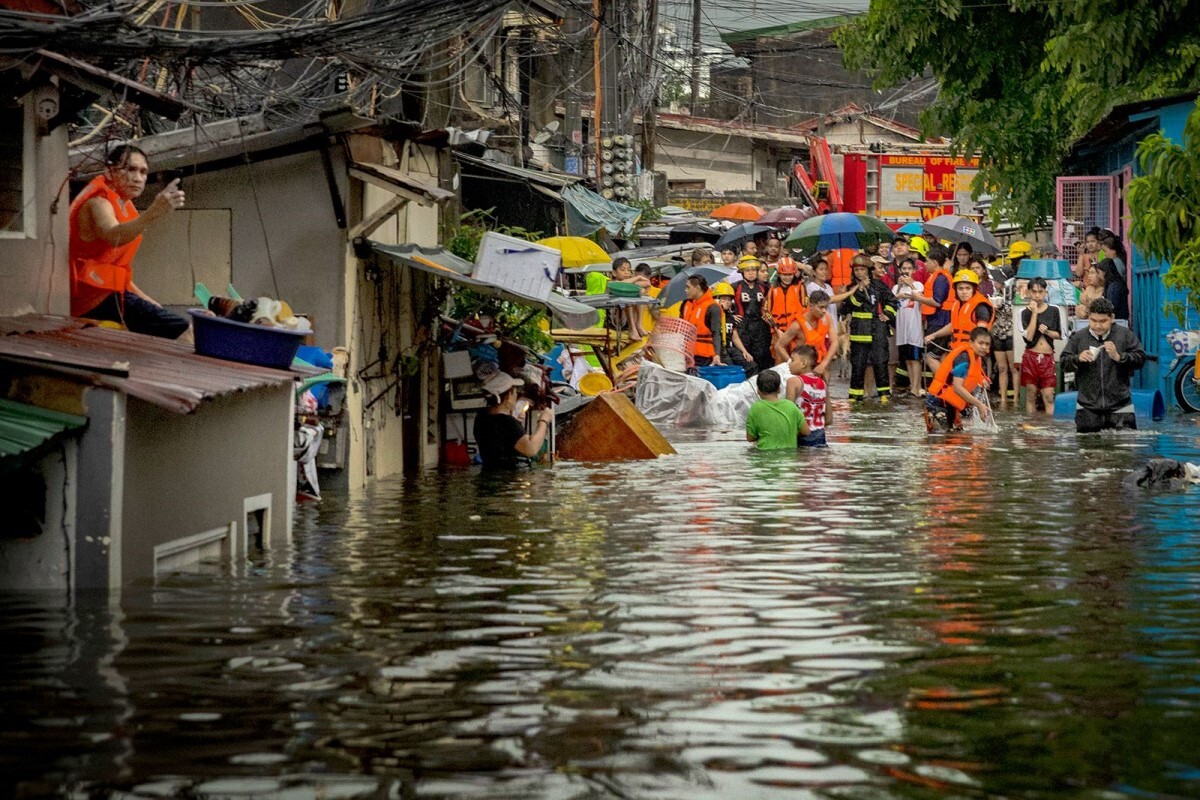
(773, 423)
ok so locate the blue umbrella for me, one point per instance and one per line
(740, 234)
(838, 231)
(912, 229)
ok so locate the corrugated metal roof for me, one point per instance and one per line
(163, 372)
(24, 428)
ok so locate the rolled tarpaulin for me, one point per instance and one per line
(1148, 404)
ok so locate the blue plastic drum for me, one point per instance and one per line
(1148, 404)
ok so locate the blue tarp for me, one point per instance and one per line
(587, 212)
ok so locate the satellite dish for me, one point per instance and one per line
(546, 133)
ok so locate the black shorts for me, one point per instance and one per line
(1003, 344)
(939, 347)
(910, 352)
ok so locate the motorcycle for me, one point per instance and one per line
(1185, 368)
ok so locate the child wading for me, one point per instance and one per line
(872, 311)
(1040, 327)
(772, 423)
(953, 387)
(808, 391)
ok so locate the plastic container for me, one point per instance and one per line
(517, 265)
(1048, 268)
(721, 377)
(1148, 404)
(594, 383)
(218, 337)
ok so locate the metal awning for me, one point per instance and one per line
(441, 262)
(24, 429)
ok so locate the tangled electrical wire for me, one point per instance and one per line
(289, 65)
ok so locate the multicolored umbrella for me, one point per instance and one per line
(787, 216)
(956, 229)
(740, 212)
(912, 229)
(576, 250)
(837, 231)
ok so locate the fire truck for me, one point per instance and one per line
(897, 183)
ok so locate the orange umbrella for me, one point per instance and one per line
(742, 212)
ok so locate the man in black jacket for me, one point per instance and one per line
(1103, 356)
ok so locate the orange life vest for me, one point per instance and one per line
(787, 304)
(817, 337)
(962, 317)
(948, 303)
(696, 312)
(99, 269)
(942, 386)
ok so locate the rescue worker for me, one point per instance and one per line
(871, 309)
(971, 308)
(786, 300)
(953, 387)
(936, 301)
(105, 232)
(749, 312)
(815, 327)
(700, 309)
(734, 353)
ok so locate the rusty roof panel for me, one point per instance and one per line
(165, 373)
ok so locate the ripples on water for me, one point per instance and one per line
(979, 616)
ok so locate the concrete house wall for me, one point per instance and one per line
(724, 163)
(384, 310)
(206, 470)
(42, 562)
(282, 233)
(33, 260)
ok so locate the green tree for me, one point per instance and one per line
(1165, 202)
(1020, 81)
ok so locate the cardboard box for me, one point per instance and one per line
(522, 267)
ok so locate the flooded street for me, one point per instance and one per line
(894, 617)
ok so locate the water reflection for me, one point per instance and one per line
(975, 617)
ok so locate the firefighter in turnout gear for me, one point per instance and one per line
(871, 309)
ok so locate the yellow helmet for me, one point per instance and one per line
(722, 290)
(920, 245)
(749, 262)
(1019, 249)
(966, 276)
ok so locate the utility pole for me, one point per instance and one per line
(650, 113)
(524, 70)
(573, 28)
(695, 56)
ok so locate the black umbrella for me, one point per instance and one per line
(673, 292)
(956, 229)
(707, 232)
(738, 235)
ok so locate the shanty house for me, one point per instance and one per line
(158, 459)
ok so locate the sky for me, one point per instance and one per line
(722, 16)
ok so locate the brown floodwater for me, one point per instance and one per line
(972, 616)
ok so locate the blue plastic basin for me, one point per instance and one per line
(1148, 404)
(263, 346)
(721, 377)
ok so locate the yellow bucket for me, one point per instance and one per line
(594, 383)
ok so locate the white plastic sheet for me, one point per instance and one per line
(672, 398)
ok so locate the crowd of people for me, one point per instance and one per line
(927, 321)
